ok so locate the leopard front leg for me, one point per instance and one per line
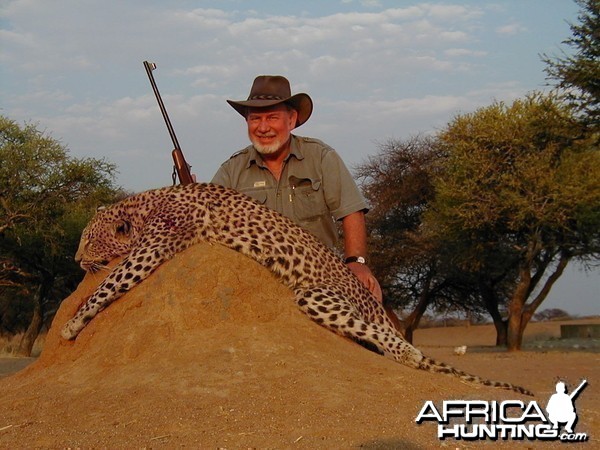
(85, 313)
(113, 287)
(127, 274)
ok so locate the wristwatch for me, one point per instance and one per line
(356, 259)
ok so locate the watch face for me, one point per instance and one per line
(361, 260)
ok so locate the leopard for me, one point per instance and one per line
(149, 228)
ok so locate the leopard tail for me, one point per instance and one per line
(431, 365)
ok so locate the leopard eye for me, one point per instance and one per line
(123, 228)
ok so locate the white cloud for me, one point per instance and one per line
(510, 29)
(453, 12)
(410, 66)
(460, 52)
(506, 90)
(214, 36)
(371, 3)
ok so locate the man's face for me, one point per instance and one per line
(269, 129)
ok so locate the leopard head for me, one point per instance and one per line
(109, 234)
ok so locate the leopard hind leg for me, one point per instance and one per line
(327, 306)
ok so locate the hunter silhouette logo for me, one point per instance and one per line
(510, 419)
(560, 407)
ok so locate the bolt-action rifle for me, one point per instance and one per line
(181, 169)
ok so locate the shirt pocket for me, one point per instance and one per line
(309, 203)
(260, 195)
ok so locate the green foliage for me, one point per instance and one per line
(486, 214)
(46, 198)
(579, 74)
(397, 184)
(519, 172)
(521, 186)
(38, 178)
(415, 269)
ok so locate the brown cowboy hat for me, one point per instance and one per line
(270, 90)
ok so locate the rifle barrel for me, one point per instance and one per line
(149, 68)
(576, 391)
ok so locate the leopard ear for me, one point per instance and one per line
(122, 227)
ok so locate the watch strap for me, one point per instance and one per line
(356, 259)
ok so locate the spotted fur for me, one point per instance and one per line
(149, 228)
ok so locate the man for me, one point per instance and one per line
(302, 178)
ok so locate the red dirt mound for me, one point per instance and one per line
(210, 351)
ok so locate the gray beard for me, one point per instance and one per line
(266, 149)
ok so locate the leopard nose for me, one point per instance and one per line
(79, 256)
(83, 244)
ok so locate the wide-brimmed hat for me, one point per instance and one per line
(270, 90)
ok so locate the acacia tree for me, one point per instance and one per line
(521, 182)
(397, 186)
(415, 269)
(420, 270)
(46, 197)
(578, 75)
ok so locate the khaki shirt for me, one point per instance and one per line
(314, 190)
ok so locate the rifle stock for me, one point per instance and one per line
(181, 167)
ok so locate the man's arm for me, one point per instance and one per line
(355, 244)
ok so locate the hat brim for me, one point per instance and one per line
(300, 102)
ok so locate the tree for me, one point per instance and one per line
(46, 197)
(396, 184)
(579, 74)
(551, 314)
(414, 268)
(521, 187)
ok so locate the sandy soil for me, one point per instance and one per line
(211, 352)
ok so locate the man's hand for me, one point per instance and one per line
(364, 274)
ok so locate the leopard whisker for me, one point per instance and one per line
(102, 267)
(94, 267)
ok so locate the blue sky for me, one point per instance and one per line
(375, 70)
